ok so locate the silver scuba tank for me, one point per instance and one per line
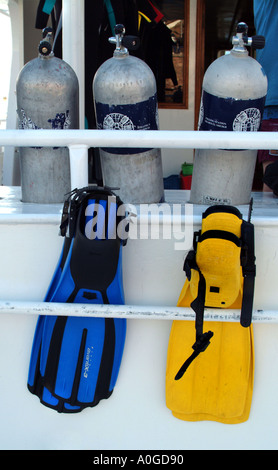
(124, 90)
(47, 98)
(233, 97)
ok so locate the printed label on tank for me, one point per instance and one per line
(139, 116)
(60, 121)
(206, 199)
(229, 114)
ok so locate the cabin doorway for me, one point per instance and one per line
(216, 25)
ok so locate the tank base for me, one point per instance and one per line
(45, 175)
(223, 177)
(139, 176)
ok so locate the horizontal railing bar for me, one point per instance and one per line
(145, 139)
(129, 311)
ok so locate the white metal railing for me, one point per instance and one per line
(78, 142)
(162, 139)
(148, 312)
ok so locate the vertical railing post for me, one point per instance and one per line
(78, 165)
(73, 15)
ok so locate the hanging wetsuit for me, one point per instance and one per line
(156, 45)
(98, 28)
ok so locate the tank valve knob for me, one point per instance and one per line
(124, 43)
(242, 28)
(45, 46)
(241, 40)
(47, 32)
(258, 42)
(119, 29)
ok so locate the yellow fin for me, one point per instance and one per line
(218, 384)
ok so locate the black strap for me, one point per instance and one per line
(248, 271)
(199, 346)
(198, 305)
(221, 234)
(214, 209)
(190, 263)
(247, 301)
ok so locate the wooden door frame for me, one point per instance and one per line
(200, 57)
(184, 104)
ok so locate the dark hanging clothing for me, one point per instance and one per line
(97, 47)
(156, 51)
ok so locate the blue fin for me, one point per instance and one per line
(75, 360)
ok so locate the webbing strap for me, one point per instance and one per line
(247, 301)
(198, 305)
(248, 271)
(199, 346)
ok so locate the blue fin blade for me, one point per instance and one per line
(88, 351)
(34, 365)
